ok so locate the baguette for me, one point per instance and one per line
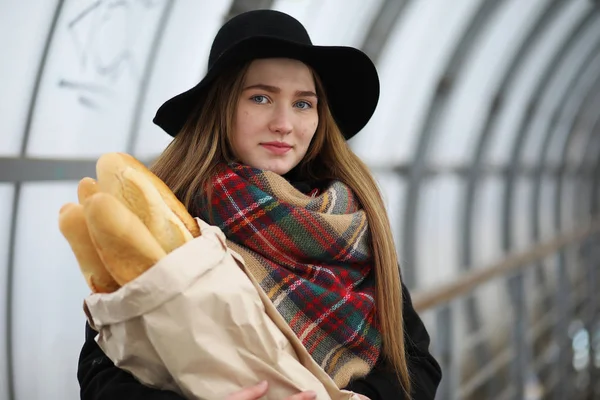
(86, 188)
(73, 226)
(142, 198)
(124, 244)
(112, 163)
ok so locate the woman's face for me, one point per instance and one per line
(276, 116)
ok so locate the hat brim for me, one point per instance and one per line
(348, 75)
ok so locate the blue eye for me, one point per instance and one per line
(304, 105)
(259, 99)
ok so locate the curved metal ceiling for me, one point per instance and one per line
(485, 140)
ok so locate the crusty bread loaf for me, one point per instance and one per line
(124, 244)
(111, 163)
(86, 188)
(133, 189)
(73, 226)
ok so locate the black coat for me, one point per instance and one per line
(99, 379)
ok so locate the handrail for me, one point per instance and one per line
(425, 299)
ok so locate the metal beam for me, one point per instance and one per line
(484, 138)
(595, 206)
(561, 289)
(241, 6)
(587, 180)
(590, 97)
(558, 114)
(382, 26)
(437, 107)
(591, 162)
(144, 83)
(13, 169)
(546, 76)
(538, 29)
(453, 68)
(588, 100)
(10, 265)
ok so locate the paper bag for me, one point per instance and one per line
(198, 324)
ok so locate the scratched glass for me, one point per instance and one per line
(92, 78)
(6, 202)
(48, 290)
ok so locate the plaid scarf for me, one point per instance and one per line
(311, 256)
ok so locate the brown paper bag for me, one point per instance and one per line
(198, 324)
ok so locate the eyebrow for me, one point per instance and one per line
(275, 89)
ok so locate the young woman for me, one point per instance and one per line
(260, 150)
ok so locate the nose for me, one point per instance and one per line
(281, 121)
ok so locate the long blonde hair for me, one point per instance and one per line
(192, 158)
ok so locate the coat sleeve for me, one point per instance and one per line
(382, 384)
(100, 379)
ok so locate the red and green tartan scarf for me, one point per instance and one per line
(311, 256)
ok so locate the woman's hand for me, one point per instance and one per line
(257, 391)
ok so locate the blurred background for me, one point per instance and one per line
(486, 144)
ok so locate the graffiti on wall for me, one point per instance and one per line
(107, 38)
(93, 76)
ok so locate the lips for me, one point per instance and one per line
(278, 148)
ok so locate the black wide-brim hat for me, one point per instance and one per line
(348, 75)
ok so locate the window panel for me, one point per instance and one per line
(589, 162)
(578, 110)
(570, 202)
(409, 69)
(582, 211)
(48, 323)
(22, 38)
(439, 232)
(393, 191)
(555, 91)
(333, 22)
(92, 77)
(491, 299)
(519, 94)
(550, 264)
(521, 216)
(586, 124)
(179, 65)
(6, 204)
(477, 82)
(487, 222)
(546, 209)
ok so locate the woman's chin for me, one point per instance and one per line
(279, 168)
